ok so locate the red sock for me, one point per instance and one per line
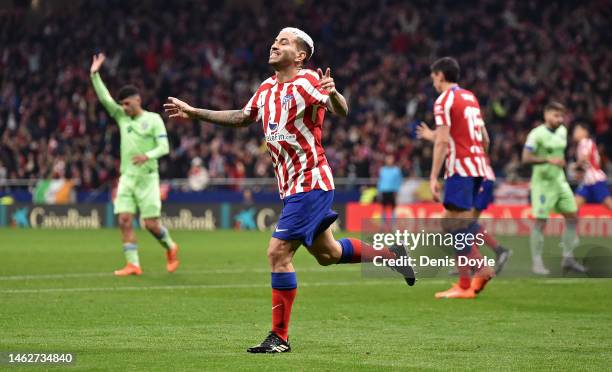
(465, 279)
(363, 252)
(488, 239)
(465, 271)
(282, 301)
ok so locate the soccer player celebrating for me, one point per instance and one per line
(545, 150)
(143, 141)
(593, 188)
(291, 106)
(483, 200)
(460, 142)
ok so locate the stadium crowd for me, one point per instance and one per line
(515, 56)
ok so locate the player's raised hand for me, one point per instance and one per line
(424, 132)
(175, 108)
(96, 63)
(326, 81)
(434, 187)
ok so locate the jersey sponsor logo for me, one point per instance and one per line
(280, 137)
(274, 136)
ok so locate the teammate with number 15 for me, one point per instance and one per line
(461, 141)
(291, 105)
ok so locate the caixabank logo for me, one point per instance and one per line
(191, 217)
(263, 217)
(56, 216)
(19, 218)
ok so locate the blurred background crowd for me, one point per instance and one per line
(515, 56)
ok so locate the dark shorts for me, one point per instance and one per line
(387, 199)
(594, 194)
(485, 195)
(460, 192)
(305, 215)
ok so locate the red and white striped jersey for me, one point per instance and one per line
(292, 116)
(587, 152)
(459, 109)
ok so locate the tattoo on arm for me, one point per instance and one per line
(337, 104)
(227, 118)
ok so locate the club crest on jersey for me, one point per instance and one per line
(145, 126)
(287, 101)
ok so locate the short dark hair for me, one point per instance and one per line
(302, 45)
(554, 106)
(449, 67)
(127, 91)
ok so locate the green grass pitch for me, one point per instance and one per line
(57, 294)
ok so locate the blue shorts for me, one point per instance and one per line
(485, 195)
(594, 194)
(460, 192)
(305, 215)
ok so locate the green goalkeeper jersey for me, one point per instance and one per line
(143, 134)
(547, 143)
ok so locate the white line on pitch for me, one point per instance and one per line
(568, 280)
(195, 286)
(188, 272)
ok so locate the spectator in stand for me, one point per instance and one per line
(198, 175)
(516, 56)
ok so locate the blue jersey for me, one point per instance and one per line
(389, 179)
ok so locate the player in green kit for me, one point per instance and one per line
(550, 192)
(143, 141)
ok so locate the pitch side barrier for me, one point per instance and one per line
(175, 216)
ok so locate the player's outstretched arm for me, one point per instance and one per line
(228, 118)
(337, 103)
(103, 94)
